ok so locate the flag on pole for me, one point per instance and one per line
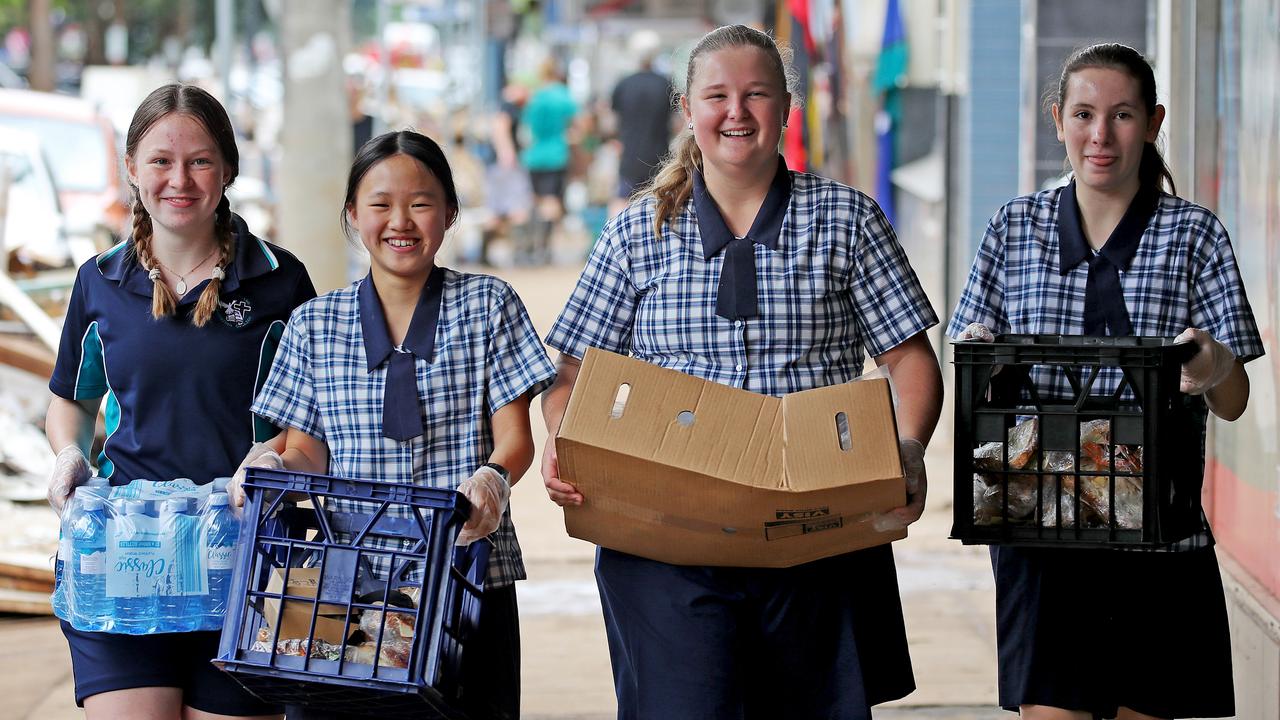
(891, 75)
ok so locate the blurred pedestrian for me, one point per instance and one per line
(173, 327)
(737, 270)
(644, 111)
(1113, 253)
(549, 116)
(508, 194)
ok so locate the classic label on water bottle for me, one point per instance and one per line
(138, 560)
(93, 563)
(221, 558)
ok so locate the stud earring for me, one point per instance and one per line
(690, 126)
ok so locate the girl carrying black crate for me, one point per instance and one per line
(1112, 633)
(418, 374)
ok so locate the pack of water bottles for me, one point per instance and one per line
(147, 557)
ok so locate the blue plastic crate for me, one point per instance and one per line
(361, 545)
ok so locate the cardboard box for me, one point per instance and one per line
(296, 622)
(692, 472)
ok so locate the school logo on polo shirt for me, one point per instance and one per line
(235, 313)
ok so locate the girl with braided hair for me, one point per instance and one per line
(174, 328)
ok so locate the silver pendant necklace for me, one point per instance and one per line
(181, 287)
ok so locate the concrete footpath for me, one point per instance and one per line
(946, 590)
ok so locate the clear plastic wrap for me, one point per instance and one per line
(145, 557)
(1055, 471)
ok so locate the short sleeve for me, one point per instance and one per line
(982, 300)
(79, 373)
(601, 311)
(1218, 301)
(891, 305)
(288, 399)
(515, 361)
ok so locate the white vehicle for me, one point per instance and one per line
(33, 226)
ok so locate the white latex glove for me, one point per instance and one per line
(912, 453)
(70, 470)
(977, 331)
(260, 455)
(488, 494)
(1210, 366)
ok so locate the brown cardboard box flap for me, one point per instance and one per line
(747, 479)
(296, 621)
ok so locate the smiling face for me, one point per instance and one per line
(1105, 126)
(180, 175)
(401, 214)
(737, 102)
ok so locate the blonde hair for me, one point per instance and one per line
(199, 105)
(673, 183)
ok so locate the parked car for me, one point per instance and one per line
(82, 151)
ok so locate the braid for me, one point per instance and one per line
(207, 305)
(163, 301)
(673, 184)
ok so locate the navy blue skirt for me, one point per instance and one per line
(1095, 630)
(821, 640)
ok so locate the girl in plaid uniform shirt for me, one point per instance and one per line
(1110, 633)
(418, 374)
(734, 269)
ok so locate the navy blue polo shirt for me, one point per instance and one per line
(177, 395)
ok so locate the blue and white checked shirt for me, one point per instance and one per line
(486, 355)
(1182, 274)
(837, 284)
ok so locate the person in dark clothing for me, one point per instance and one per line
(642, 103)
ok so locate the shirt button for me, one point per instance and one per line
(739, 367)
(737, 323)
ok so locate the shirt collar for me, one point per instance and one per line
(765, 229)
(253, 258)
(1120, 247)
(420, 340)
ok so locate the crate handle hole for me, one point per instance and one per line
(842, 432)
(620, 400)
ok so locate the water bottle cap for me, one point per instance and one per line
(93, 503)
(219, 499)
(174, 506)
(135, 507)
(220, 484)
(98, 482)
(181, 479)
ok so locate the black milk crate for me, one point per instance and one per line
(1117, 459)
(322, 554)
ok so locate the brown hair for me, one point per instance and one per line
(204, 109)
(1152, 172)
(673, 183)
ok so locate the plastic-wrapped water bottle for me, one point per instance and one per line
(222, 530)
(91, 608)
(135, 611)
(176, 611)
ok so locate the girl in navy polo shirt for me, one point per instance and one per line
(420, 374)
(174, 328)
(1110, 633)
(734, 269)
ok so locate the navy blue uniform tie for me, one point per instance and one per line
(736, 295)
(401, 411)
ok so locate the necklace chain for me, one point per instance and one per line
(182, 279)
